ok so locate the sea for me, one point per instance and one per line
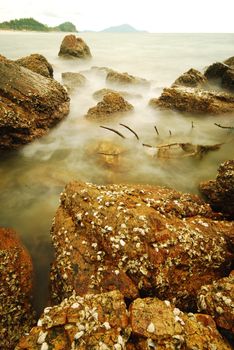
(32, 178)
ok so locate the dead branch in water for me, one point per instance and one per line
(192, 125)
(156, 129)
(224, 127)
(170, 133)
(146, 145)
(113, 130)
(127, 127)
(108, 154)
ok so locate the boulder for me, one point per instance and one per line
(74, 47)
(141, 240)
(191, 78)
(228, 80)
(194, 101)
(99, 94)
(73, 80)
(37, 63)
(216, 71)
(112, 105)
(114, 77)
(30, 105)
(220, 192)
(217, 300)
(229, 61)
(92, 322)
(16, 314)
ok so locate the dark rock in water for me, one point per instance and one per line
(125, 79)
(141, 240)
(38, 64)
(229, 61)
(30, 105)
(112, 105)
(220, 192)
(194, 101)
(16, 314)
(217, 299)
(73, 80)
(74, 47)
(216, 71)
(103, 322)
(228, 79)
(191, 78)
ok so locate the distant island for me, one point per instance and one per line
(123, 28)
(31, 24)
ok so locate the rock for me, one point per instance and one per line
(220, 192)
(111, 106)
(30, 105)
(38, 64)
(217, 300)
(99, 94)
(141, 240)
(194, 100)
(228, 80)
(73, 80)
(229, 61)
(216, 71)
(159, 325)
(114, 77)
(74, 47)
(191, 78)
(16, 314)
(93, 322)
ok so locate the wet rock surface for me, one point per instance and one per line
(16, 314)
(228, 80)
(216, 71)
(73, 80)
(142, 240)
(38, 64)
(74, 47)
(217, 300)
(114, 77)
(99, 94)
(112, 105)
(191, 78)
(30, 105)
(194, 101)
(220, 192)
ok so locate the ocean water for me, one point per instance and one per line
(31, 179)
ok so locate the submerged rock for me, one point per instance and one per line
(112, 105)
(16, 314)
(37, 63)
(30, 105)
(194, 100)
(74, 47)
(220, 192)
(142, 240)
(99, 94)
(191, 78)
(125, 79)
(73, 80)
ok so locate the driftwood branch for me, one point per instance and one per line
(224, 127)
(113, 130)
(127, 127)
(146, 145)
(156, 129)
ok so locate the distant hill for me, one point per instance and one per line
(32, 24)
(123, 28)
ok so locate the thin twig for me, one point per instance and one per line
(224, 127)
(127, 127)
(192, 124)
(170, 132)
(113, 130)
(146, 145)
(156, 129)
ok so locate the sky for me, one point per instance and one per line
(150, 15)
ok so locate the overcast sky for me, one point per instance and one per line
(150, 15)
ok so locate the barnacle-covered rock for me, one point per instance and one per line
(92, 322)
(37, 63)
(30, 105)
(217, 300)
(112, 105)
(74, 47)
(159, 325)
(138, 239)
(114, 77)
(73, 80)
(194, 100)
(191, 78)
(16, 314)
(220, 192)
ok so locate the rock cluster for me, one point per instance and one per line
(74, 47)
(16, 314)
(30, 105)
(37, 63)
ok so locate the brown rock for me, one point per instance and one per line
(220, 192)
(194, 101)
(229, 61)
(73, 80)
(191, 78)
(228, 80)
(216, 71)
(74, 47)
(93, 322)
(16, 315)
(99, 94)
(217, 300)
(125, 79)
(38, 64)
(112, 105)
(141, 240)
(30, 105)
